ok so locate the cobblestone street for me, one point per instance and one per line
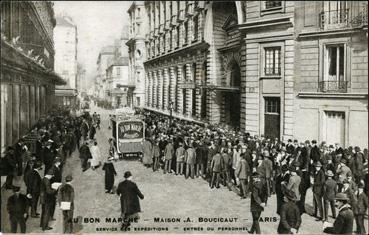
(167, 196)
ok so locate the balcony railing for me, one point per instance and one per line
(181, 16)
(167, 25)
(361, 19)
(333, 86)
(161, 28)
(173, 21)
(334, 19)
(189, 10)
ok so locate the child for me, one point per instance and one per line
(109, 175)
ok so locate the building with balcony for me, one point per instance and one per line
(119, 83)
(331, 72)
(282, 69)
(193, 63)
(137, 51)
(66, 42)
(27, 67)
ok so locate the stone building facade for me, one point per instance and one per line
(66, 42)
(104, 59)
(331, 72)
(27, 66)
(267, 67)
(137, 51)
(193, 64)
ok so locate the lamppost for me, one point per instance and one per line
(170, 113)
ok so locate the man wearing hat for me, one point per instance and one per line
(18, 151)
(129, 199)
(49, 155)
(281, 183)
(345, 219)
(84, 155)
(343, 169)
(47, 199)
(66, 194)
(257, 201)
(290, 215)
(318, 190)
(11, 167)
(57, 178)
(314, 152)
(362, 208)
(34, 187)
(17, 208)
(294, 184)
(359, 163)
(330, 191)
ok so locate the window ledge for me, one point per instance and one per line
(333, 95)
(271, 77)
(271, 10)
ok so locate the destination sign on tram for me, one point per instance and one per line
(130, 130)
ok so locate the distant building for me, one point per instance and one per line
(105, 57)
(137, 51)
(66, 42)
(27, 66)
(118, 82)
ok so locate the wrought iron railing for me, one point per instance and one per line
(333, 86)
(334, 19)
(180, 16)
(361, 19)
(174, 20)
(189, 9)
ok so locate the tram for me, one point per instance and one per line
(129, 132)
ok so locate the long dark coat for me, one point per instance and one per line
(34, 183)
(257, 196)
(290, 218)
(280, 190)
(17, 206)
(129, 194)
(66, 194)
(109, 175)
(319, 180)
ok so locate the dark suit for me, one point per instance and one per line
(129, 194)
(318, 191)
(290, 218)
(330, 190)
(49, 157)
(315, 154)
(66, 194)
(47, 199)
(56, 178)
(257, 197)
(34, 188)
(109, 175)
(279, 189)
(343, 224)
(362, 207)
(18, 151)
(17, 207)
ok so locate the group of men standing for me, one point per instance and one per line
(261, 167)
(57, 136)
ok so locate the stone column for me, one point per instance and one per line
(32, 107)
(9, 115)
(15, 112)
(154, 90)
(165, 90)
(179, 90)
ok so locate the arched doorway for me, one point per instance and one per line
(232, 97)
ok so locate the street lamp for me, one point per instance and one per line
(170, 113)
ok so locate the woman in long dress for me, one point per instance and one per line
(109, 175)
(147, 153)
(96, 156)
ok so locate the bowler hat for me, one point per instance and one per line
(343, 161)
(50, 172)
(329, 173)
(346, 181)
(68, 178)
(318, 163)
(293, 168)
(284, 167)
(127, 174)
(313, 141)
(255, 175)
(341, 197)
(37, 164)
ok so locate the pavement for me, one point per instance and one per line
(189, 205)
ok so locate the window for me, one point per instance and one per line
(138, 101)
(184, 73)
(177, 36)
(138, 12)
(272, 4)
(333, 128)
(272, 105)
(194, 71)
(272, 63)
(195, 28)
(138, 76)
(334, 69)
(170, 40)
(163, 43)
(185, 32)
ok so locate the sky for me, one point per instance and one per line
(98, 24)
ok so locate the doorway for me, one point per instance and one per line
(272, 117)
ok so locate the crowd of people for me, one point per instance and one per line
(40, 161)
(259, 167)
